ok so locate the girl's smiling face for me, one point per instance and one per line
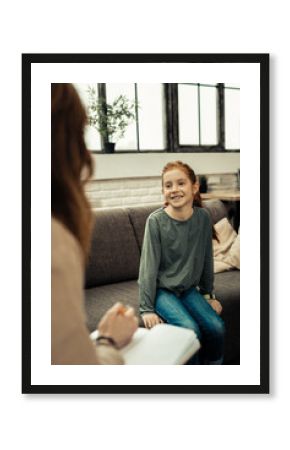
(178, 189)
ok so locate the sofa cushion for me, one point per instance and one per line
(114, 254)
(227, 290)
(99, 299)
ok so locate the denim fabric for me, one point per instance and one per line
(191, 310)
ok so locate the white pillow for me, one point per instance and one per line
(226, 252)
(234, 253)
(226, 235)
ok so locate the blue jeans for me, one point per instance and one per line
(191, 310)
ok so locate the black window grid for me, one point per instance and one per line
(172, 123)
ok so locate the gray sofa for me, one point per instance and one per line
(113, 266)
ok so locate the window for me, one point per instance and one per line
(188, 115)
(112, 91)
(151, 117)
(147, 132)
(184, 117)
(92, 136)
(197, 114)
(232, 116)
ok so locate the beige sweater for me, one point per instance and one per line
(70, 341)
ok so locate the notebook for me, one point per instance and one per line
(163, 344)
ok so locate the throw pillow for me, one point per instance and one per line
(226, 235)
(234, 253)
(224, 257)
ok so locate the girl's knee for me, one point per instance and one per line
(192, 326)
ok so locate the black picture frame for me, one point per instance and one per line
(263, 61)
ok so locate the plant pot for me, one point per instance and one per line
(109, 147)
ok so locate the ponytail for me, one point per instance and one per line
(198, 202)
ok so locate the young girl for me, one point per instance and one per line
(176, 269)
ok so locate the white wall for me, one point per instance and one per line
(148, 165)
(130, 180)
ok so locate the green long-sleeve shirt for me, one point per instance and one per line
(176, 255)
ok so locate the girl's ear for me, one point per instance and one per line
(195, 187)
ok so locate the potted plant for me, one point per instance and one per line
(110, 119)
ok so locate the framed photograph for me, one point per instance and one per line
(209, 111)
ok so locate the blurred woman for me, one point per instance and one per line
(71, 166)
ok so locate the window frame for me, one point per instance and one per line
(170, 106)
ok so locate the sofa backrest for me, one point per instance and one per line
(216, 209)
(114, 254)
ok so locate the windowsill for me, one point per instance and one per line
(132, 165)
(144, 152)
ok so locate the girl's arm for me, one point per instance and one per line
(149, 266)
(206, 280)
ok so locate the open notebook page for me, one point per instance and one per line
(163, 344)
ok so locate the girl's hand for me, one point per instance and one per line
(151, 319)
(215, 304)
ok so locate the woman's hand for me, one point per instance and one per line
(215, 304)
(151, 319)
(119, 323)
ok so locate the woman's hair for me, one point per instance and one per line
(71, 163)
(191, 175)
